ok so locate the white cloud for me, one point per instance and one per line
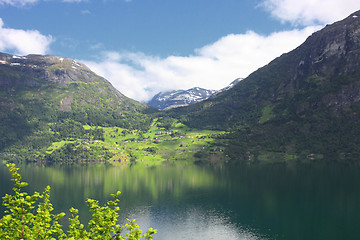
(213, 66)
(308, 12)
(22, 3)
(17, 3)
(23, 42)
(75, 1)
(86, 12)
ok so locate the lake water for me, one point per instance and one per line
(197, 202)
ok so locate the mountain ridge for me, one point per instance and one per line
(53, 69)
(39, 94)
(303, 102)
(181, 98)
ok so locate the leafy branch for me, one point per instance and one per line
(30, 217)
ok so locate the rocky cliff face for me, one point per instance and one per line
(328, 57)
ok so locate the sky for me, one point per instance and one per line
(146, 46)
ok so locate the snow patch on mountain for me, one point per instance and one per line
(180, 98)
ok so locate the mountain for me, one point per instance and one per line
(231, 85)
(45, 97)
(181, 98)
(303, 103)
(40, 72)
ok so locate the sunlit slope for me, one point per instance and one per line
(37, 91)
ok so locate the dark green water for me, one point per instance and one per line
(244, 202)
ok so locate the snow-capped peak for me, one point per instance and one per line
(177, 98)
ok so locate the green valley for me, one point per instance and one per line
(161, 143)
(302, 106)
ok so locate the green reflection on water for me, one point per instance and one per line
(101, 180)
(273, 201)
(72, 185)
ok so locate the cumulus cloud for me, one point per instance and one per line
(23, 42)
(308, 12)
(213, 66)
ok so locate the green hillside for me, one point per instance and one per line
(303, 104)
(44, 98)
(57, 110)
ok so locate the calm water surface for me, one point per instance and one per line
(192, 202)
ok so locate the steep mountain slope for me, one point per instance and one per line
(181, 98)
(305, 102)
(39, 94)
(36, 71)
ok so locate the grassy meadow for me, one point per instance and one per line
(174, 143)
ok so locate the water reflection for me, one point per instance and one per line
(192, 222)
(192, 202)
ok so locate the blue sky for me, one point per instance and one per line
(146, 46)
(156, 27)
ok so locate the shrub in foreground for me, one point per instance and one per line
(30, 217)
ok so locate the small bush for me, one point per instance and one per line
(30, 217)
